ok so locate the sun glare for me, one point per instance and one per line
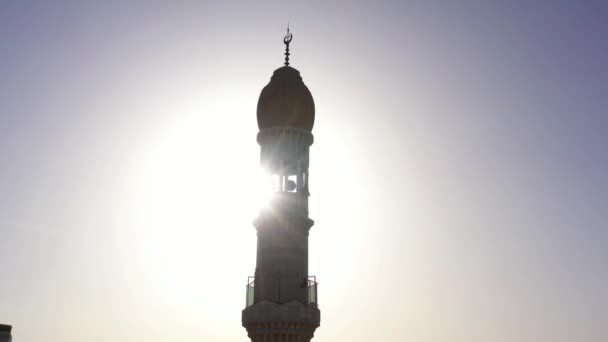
(262, 197)
(192, 195)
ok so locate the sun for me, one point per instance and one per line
(190, 199)
(193, 188)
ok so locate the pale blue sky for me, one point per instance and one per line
(458, 175)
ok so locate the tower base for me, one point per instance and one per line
(271, 322)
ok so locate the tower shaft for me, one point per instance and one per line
(282, 299)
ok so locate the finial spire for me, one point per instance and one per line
(287, 39)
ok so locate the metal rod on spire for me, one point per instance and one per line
(287, 39)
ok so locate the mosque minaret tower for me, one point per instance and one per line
(282, 297)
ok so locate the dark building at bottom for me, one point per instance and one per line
(5, 333)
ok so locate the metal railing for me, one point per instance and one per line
(313, 297)
(249, 293)
(311, 291)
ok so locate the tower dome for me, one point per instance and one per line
(286, 101)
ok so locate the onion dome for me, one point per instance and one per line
(286, 101)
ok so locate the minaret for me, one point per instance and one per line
(282, 298)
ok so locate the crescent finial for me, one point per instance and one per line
(287, 39)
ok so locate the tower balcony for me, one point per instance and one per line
(310, 284)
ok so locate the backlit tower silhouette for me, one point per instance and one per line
(282, 297)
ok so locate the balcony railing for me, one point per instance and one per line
(311, 291)
(313, 297)
(249, 294)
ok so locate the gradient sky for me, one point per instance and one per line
(458, 174)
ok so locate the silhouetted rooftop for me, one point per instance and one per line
(286, 102)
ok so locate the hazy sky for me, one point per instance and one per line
(458, 174)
